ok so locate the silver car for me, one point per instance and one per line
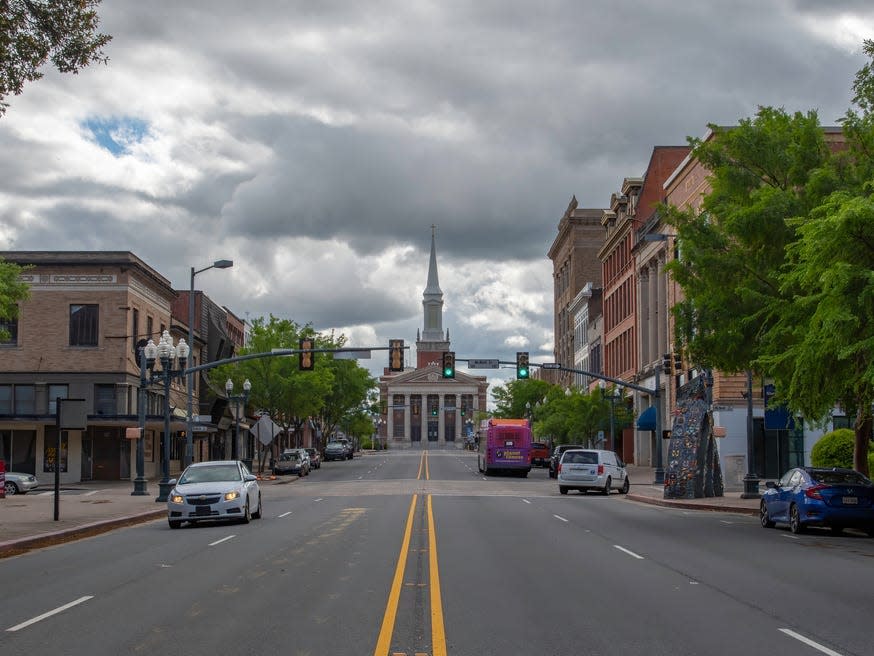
(19, 483)
(214, 490)
(592, 469)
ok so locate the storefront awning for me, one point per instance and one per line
(647, 419)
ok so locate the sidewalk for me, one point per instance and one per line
(644, 490)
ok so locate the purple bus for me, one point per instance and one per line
(504, 446)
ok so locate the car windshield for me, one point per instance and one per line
(840, 478)
(582, 457)
(210, 474)
(288, 456)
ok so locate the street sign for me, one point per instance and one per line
(199, 428)
(483, 364)
(550, 365)
(361, 354)
(202, 419)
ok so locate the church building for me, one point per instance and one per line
(419, 406)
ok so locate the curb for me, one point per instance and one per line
(690, 505)
(16, 547)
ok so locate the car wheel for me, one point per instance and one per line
(765, 516)
(562, 489)
(257, 513)
(247, 514)
(795, 524)
(174, 523)
(11, 488)
(607, 486)
(626, 486)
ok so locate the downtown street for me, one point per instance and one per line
(414, 552)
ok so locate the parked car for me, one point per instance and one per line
(556, 456)
(337, 451)
(214, 490)
(291, 461)
(315, 458)
(592, 469)
(20, 483)
(540, 454)
(808, 496)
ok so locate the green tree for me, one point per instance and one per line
(351, 387)
(289, 396)
(33, 32)
(573, 416)
(776, 265)
(12, 292)
(513, 400)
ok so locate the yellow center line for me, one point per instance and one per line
(427, 467)
(391, 608)
(438, 634)
(421, 465)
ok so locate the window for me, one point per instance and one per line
(5, 399)
(135, 328)
(56, 392)
(9, 332)
(25, 400)
(149, 325)
(83, 325)
(104, 400)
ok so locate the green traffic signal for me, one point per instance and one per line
(449, 364)
(522, 365)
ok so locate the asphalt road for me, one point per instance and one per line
(417, 553)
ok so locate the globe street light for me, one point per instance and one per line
(167, 353)
(240, 401)
(189, 380)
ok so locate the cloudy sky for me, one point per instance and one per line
(315, 143)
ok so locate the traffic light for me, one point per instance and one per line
(678, 363)
(522, 365)
(395, 355)
(667, 363)
(448, 364)
(305, 357)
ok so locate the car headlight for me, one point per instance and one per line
(176, 498)
(230, 496)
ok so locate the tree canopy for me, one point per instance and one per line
(33, 32)
(12, 292)
(777, 263)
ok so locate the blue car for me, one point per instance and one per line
(809, 496)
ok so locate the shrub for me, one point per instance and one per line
(834, 449)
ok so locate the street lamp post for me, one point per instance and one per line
(240, 401)
(140, 488)
(189, 381)
(613, 397)
(167, 353)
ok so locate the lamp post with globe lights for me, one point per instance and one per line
(167, 354)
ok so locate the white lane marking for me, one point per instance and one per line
(526, 501)
(319, 499)
(809, 642)
(725, 522)
(560, 517)
(57, 610)
(791, 537)
(230, 537)
(360, 477)
(629, 552)
(88, 494)
(285, 514)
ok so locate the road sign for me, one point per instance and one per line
(550, 365)
(202, 419)
(199, 428)
(360, 354)
(483, 364)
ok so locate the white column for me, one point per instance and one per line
(389, 416)
(441, 417)
(408, 410)
(643, 313)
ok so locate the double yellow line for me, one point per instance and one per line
(438, 633)
(423, 467)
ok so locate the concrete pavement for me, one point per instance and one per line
(89, 508)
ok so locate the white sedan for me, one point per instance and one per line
(18, 483)
(212, 491)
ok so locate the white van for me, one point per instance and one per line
(592, 469)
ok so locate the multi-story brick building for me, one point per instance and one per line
(77, 337)
(574, 255)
